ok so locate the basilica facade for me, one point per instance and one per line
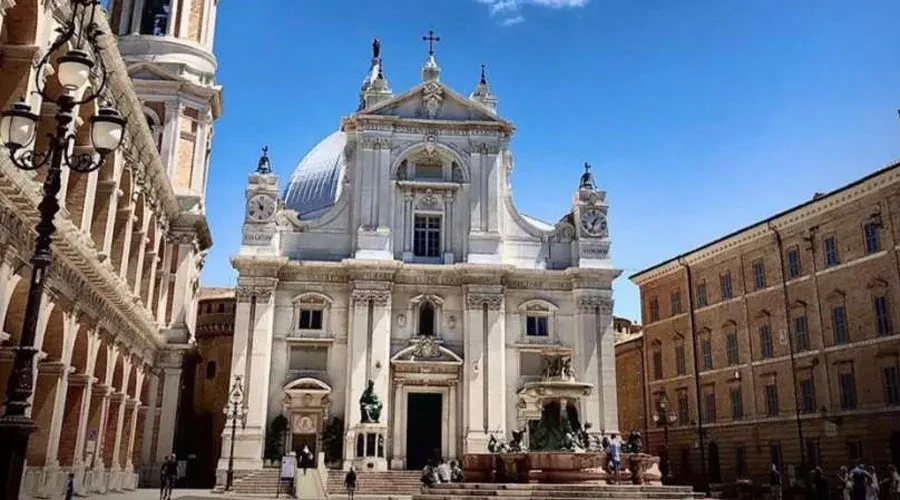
(391, 290)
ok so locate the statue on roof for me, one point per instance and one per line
(376, 48)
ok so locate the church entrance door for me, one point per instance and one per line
(423, 429)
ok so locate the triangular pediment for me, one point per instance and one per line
(150, 71)
(433, 101)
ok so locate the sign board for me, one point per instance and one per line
(288, 467)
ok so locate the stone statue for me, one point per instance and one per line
(567, 371)
(370, 405)
(376, 48)
(516, 444)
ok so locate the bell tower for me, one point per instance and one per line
(167, 46)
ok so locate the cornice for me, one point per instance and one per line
(785, 220)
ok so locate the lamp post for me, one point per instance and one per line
(234, 411)
(82, 64)
(664, 416)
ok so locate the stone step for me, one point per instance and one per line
(557, 487)
(586, 494)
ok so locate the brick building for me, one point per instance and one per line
(205, 390)
(630, 376)
(793, 324)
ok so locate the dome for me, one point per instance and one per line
(315, 185)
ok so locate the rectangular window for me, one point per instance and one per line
(657, 365)
(310, 319)
(709, 403)
(793, 262)
(839, 325)
(680, 364)
(775, 455)
(684, 411)
(771, 400)
(706, 348)
(882, 316)
(737, 404)
(676, 302)
(759, 274)
(654, 309)
(536, 326)
(831, 252)
(731, 349)
(766, 348)
(701, 295)
(873, 238)
(807, 396)
(725, 286)
(801, 334)
(847, 385)
(740, 460)
(854, 451)
(890, 379)
(813, 452)
(427, 236)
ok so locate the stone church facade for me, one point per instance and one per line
(394, 254)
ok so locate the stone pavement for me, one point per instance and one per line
(153, 494)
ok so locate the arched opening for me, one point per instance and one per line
(426, 319)
(123, 221)
(155, 17)
(103, 197)
(20, 27)
(210, 370)
(49, 383)
(15, 312)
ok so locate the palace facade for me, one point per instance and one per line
(119, 309)
(778, 343)
(395, 258)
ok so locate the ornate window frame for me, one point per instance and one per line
(311, 301)
(538, 308)
(415, 308)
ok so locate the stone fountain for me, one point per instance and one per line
(554, 446)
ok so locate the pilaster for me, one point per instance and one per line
(595, 359)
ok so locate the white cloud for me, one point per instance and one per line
(510, 11)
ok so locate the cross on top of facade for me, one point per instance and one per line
(431, 39)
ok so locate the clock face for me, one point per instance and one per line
(260, 208)
(593, 222)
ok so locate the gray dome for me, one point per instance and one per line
(315, 185)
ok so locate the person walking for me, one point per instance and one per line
(70, 486)
(895, 482)
(305, 459)
(819, 484)
(350, 482)
(860, 480)
(614, 453)
(171, 475)
(873, 489)
(775, 482)
(846, 485)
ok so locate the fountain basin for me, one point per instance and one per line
(559, 467)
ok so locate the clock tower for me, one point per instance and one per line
(590, 211)
(261, 205)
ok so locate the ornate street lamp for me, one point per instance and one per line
(75, 69)
(234, 411)
(664, 416)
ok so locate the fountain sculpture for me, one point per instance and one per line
(554, 446)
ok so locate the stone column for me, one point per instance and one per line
(397, 434)
(136, 16)
(380, 349)
(357, 355)
(99, 407)
(161, 312)
(496, 364)
(454, 437)
(133, 407)
(594, 360)
(474, 386)
(150, 411)
(256, 386)
(183, 279)
(170, 377)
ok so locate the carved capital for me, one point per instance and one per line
(244, 293)
(378, 297)
(479, 300)
(375, 143)
(182, 238)
(595, 304)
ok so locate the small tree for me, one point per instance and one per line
(333, 440)
(275, 438)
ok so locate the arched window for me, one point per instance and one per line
(211, 370)
(426, 319)
(221, 308)
(155, 17)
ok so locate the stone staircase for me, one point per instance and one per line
(482, 491)
(263, 482)
(394, 483)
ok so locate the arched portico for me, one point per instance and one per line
(425, 377)
(306, 405)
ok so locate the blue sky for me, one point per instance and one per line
(699, 116)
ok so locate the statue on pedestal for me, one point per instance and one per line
(370, 405)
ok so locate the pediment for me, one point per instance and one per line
(433, 101)
(150, 71)
(426, 350)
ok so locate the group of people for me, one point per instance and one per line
(859, 483)
(168, 474)
(442, 472)
(862, 483)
